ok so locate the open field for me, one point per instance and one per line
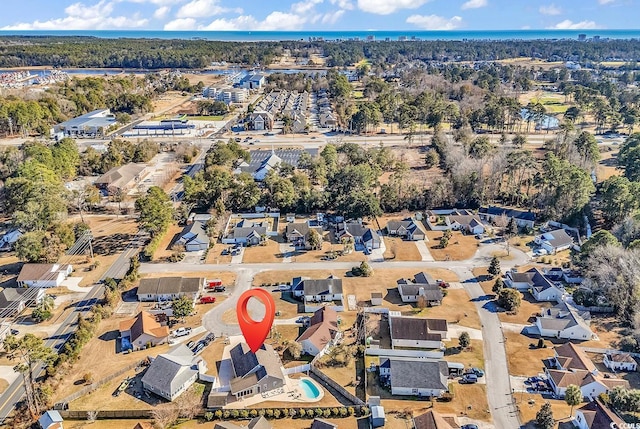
(215, 256)
(529, 404)
(456, 307)
(473, 357)
(524, 360)
(327, 248)
(401, 250)
(607, 166)
(262, 254)
(460, 246)
(164, 248)
(608, 329)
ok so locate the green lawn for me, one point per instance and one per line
(206, 118)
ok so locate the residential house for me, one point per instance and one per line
(254, 423)
(361, 235)
(318, 291)
(194, 237)
(620, 362)
(327, 120)
(322, 334)
(260, 121)
(471, 224)
(436, 219)
(9, 239)
(14, 300)
(298, 233)
(570, 365)
(171, 373)
(51, 420)
(411, 292)
(169, 288)
(596, 415)
(43, 275)
(415, 376)
(143, 330)
(524, 219)
(433, 420)
(248, 233)
(564, 321)
(414, 332)
(536, 282)
(377, 417)
(406, 228)
(322, 424)
(120, 180)
(255, 373)
(554, 241)
(272, 162)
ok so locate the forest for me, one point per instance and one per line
(24, 51)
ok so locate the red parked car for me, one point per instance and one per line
(207, 300)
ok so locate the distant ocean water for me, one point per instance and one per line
(254, 36)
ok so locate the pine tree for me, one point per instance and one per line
(544, 417)
(494, 267)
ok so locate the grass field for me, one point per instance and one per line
(398, 249)
(262, 254)
(456, 308)
(473, 357)
(460, 246)
(524, 360)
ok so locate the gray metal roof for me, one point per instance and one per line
(196, 232)
(430, 292)
(170, 285)
(89, 120)
(412, 328)
(288, 156)
(423, 277)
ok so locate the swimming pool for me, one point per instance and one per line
(309, 388)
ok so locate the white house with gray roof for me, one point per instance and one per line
(554, 241)
(169, 288)
(565, 321)
(254, 373)
(417, 333)
(361, 235)
(194, 237)
(406, 228)
(536, 282)
(415, 376)
(171, 373)
(316, 293)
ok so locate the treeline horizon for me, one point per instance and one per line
(153, 54)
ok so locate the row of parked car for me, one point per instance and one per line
(197, 347)
(471, 376)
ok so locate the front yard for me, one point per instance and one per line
(460, 248)
(525, 360)
(398, 249)
(457, 308)
(270, 252)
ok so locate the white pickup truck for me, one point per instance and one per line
(181, 332)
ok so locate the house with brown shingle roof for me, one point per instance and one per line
(433, 420)
(571, 365)
(596, 415)
(144, 329)
(322, 333)
(43, 275)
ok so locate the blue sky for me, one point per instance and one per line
(319, 14)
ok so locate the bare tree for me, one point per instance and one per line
(164, 416)
(189, 404)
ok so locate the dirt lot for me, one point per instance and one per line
(401, 250)
(460, 248)
(607, 165)
(262, 254)
(327, 248)
(608, 330)
(524, 360)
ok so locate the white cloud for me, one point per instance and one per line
(239, 23)
(343, 4)
(304, 6)
(332, 17)
(181, 24)
(474, 4)
(552, 9)
(161, 12)
(202, 9)
(605, 1)
(274, 21)
(435, 22)
(385, 7)
(570, 25)
(84, 17)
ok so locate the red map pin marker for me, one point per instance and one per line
(255, 332)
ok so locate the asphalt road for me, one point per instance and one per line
(15, 391)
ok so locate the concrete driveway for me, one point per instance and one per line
(424, 251)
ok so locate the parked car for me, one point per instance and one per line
(442, 283)
(207, 300)
(469, 379)
(224, 252)
(181, 332)
(540, 252)
(284, 288)
(478, 372)
(199, 347)
(191, 344)
(471, 426)
(219, 289)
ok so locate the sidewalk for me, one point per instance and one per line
(424, 251)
